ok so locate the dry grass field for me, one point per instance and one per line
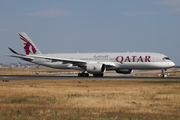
(90, 99)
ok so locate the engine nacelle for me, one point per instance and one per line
(96, 68)
(124, 71)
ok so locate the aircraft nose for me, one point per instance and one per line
(171, 64)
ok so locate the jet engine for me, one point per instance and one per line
(96, 68)
(124, 71)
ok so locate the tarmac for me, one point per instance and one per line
(107, 76)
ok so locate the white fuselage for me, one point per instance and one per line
(114, 61)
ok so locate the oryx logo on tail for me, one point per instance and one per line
(28, 47)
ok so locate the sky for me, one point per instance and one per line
(71, 26)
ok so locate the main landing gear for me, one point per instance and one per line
(83, 74)
(98, 75)
(87, 75)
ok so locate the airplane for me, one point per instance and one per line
(94, 63)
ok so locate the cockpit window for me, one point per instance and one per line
(166, 58)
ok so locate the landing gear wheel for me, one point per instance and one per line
(83, 74)
(98, 75)
(162, 76)
(79, 74)
(87, 75)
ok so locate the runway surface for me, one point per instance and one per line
(48, 77)
(107, 76)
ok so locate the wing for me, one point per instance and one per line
(16, 52)
(30, 59)
(80, 63)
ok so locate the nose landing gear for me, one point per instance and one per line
(162, 74)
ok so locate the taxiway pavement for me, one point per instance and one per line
(107, 76)
(58, 77)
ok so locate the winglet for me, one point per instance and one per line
(15, 52)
